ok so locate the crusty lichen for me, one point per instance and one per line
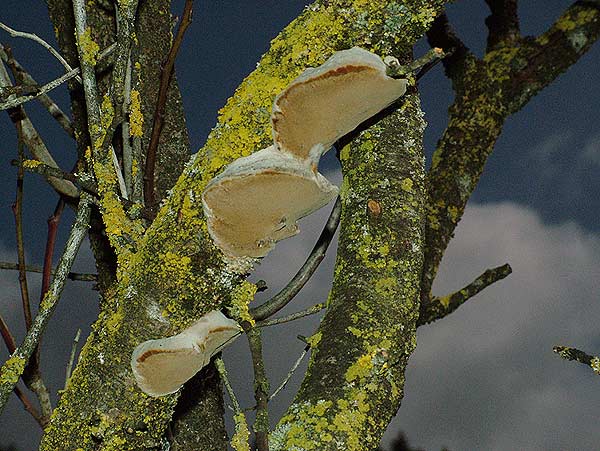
(241, 437)
(89, 48)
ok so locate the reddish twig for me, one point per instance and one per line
(165, 79)
(29, 407)
(17, 208)
(7, 336)
(50, 242)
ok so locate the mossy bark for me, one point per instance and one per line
(488, 90)
(355, 379)
(170, 274)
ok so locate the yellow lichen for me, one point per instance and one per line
(31, 164)
(240, 438)
(88, 48)
(314, 340)
(241, 297)
(407, 185)
(136, 118)
(12, 370)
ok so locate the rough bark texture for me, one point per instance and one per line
(355, 379)
(171, 274)
(487, 91)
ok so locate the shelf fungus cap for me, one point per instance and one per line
(162, 366)
(327, 102)
(257, 200)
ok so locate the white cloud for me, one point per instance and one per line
(485, 378)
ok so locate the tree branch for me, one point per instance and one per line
(13, 368)
(539, 62)
(261, 387)
(440, 307)
(502, 23)
(38, 269)
(165, 79)
(12, 103)
(574, 354)
(26, 79)
(487, 92)
(316, 256)
(34, 142)
(36, 38)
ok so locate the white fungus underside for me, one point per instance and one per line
(325, 103)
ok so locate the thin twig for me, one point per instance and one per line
(90, 87)
(291, 372)
(18, 213)
(165, 80)
(36, 38)
(294, 316)
(32, 375)
(33, 141)
(72, 357)
(439, 307)
(223, 372)
(50, 242)
(11, 345)
(47, 171)
(261, 387)
(7, 336)
(13, 368)
(29, 407)
(81, 277)
(28, 81)
(575, 354)
(304, 274)
(125, 134)
(45, 89)
(394, 69)
(125, 13)
(119, 173)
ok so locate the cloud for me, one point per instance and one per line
(485, 378)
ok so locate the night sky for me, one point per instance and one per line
(484, 378)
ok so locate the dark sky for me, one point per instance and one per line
(484, 378)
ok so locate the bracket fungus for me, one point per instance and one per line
(257, 199)
(162, 366)
(327, 102)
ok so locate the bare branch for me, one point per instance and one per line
(72, 357)
(261, 387)
(19, 72)
(291, 372)
(223, 373)
(294, 316)
(84, 180)
(38, 269)
(574, 354)
(443, 36)
(36, 38)
(33, 141)
(12, 103)
(18, 214)
(440, 307)
(553, 52)
(13, 368)
(165, 79)
(304, 274)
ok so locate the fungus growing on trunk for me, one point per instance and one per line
(257, 199)
(327, 102)
(162, 366)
